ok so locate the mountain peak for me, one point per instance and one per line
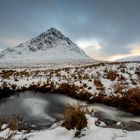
(49, 37)
(53, 29)
(50, 45)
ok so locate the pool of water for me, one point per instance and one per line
(42, 110)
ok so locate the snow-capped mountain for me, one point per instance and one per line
(130, 58)
(49, 46)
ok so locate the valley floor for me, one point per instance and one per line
(115, 84)
(109, 83)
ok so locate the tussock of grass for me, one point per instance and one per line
(74, 117)
(98, 84)
(111, 75)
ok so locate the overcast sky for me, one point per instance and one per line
(105, 29)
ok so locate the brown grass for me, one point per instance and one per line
(119, 87)
(5, 74)
(14, 122)
(68, 89)
(74, 117)
(111, 75)
(98, 83)
(131, 102)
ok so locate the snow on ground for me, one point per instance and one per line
(49, 64)
(109, 79)
(92, 132)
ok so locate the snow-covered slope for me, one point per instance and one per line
(130, 58)
(49, 46)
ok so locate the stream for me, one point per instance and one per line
(42, 110)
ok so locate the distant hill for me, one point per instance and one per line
(130, 58)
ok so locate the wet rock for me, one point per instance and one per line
(129, 126)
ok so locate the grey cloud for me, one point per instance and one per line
(116, 22)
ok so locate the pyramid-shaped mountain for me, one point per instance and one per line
(49, 46)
